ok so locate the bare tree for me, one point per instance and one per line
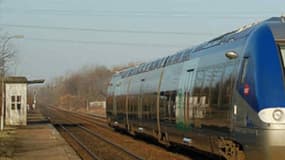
(6, 52)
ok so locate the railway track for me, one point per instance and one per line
(75, 122)
(91, 119)
(78, 141)
(94, 144)
(97, 146)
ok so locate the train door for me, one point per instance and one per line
(113, 102)
(128, 106)
(185, 101)
(113, 107)
(117, 102)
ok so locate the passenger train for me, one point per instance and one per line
(225, 96)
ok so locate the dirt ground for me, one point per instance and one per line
(7, 143)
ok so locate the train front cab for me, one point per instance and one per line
(259, 123)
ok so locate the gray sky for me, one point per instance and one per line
(64, 35)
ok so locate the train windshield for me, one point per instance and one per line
(282, 50)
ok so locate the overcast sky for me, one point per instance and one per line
(61, 36)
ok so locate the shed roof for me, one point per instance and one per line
(16, 80)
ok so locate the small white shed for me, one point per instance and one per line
(16, 100)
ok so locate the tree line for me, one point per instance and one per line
(74, 91)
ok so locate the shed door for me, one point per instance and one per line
(16, 114)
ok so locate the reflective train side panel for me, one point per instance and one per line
(203, 98)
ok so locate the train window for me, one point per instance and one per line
(186, 55)
(181, 57)
(125, 74)
(144, 67)
(110, 105)
(162, 64)
(244, 67)
(211, 95)
(152, 66)
(136, 70)
(128, 73)
(173, 59)
(140, 68)
(167, 61)
(131, 72)
(177, 57)
(227, 88)
(167, 106)
(156, 64)
(170, 60)
(148, 67)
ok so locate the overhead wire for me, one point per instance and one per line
(114, 13)
(107, 30)
(89, 12)
(160, 45)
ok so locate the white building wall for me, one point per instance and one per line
(98, 104)
(16, 115)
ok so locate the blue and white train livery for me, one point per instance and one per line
(225, 96)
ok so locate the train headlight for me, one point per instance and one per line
(277, 115)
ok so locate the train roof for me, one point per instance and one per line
(185, 54)
(277, 29)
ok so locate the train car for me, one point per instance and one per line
(225, 96)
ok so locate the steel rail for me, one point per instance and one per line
(91, 120)
(114, 144)
(94, 156)
(84, 117)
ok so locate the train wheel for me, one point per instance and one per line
(164, 139)
(230, 150)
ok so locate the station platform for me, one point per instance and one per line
(33, 142)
